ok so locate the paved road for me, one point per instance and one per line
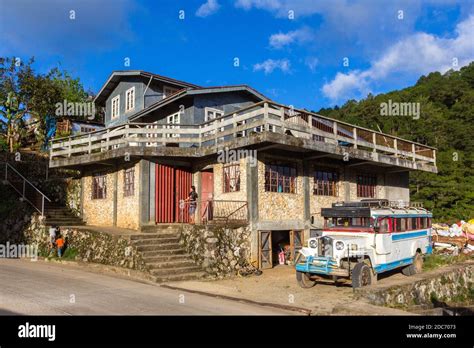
(39, 288)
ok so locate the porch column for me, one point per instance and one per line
(144, 192)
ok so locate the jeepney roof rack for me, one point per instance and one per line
(380, 203)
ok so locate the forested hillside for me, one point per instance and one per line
(446, 122)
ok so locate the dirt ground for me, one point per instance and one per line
(278, 286)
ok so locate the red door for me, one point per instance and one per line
(183, 182)
(171, 186)
(207, 193)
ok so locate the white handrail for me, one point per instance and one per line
(23, 192)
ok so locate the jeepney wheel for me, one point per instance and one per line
(416, 267)
(304, 281)
(362, 275)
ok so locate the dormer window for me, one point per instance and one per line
(130, 99)
(167, 91)
(115, 111)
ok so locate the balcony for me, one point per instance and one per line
(258, 123)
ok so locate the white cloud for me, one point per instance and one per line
(311, 63)
(416, 54)
(299, 36)
(270, 65)
(208, 8)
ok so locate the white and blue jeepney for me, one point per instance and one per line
(363, 239)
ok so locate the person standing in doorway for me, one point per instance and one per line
(192, 199)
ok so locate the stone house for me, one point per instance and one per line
(252, 160)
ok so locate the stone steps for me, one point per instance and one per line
(165, 257)
(175, 271)
(185, 262)
(180, 277)
(61, 216)
(163, 252)
(155, 241)
(157, 247)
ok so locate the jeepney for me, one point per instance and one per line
(363, 239)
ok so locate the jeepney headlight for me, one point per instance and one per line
(339, 245)
(313, 243)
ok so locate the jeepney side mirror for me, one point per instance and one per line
(376, 229)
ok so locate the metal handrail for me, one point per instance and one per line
(23, 195)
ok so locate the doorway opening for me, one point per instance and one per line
(279, 247)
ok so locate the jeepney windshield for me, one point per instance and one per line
(347, 222)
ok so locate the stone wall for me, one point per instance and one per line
(73, 195)
(447, 284)
(220, 251)
(240, 195)
(127, 207)
(98, 212)
(275, 206)
(90, 245)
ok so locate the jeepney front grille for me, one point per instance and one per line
(325, 247)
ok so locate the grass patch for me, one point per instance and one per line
(434, 261)
(69, 254)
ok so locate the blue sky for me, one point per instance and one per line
(292, 51)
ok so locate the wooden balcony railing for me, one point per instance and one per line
(257, 118)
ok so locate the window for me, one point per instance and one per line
(231, 180)
(366, 185)
(130, 99)
(211, 114)
(399, 224)
(325, 183)
(167, 91)
(347, 222)
(99, 186)
(129, 182)
(115, 112)
(383, 225)
(414, 224)
(280, 178)
(87, 129)
(171, 120)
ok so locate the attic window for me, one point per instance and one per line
(115, 112)
(130, 99)
(167, 91)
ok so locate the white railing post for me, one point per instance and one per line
(334, 129)
(354, 134)
(234, 125)
(395, 146)
(42, 205)
(413, 152)
(90, 144)
(266, 126)
(127, 134)
(69, 147)
(107, 139)
(374, 141)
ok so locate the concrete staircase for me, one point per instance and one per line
(60, 215)
(165, 257)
